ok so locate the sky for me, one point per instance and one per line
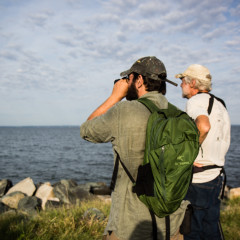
(59, 58)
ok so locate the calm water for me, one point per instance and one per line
(54, 153)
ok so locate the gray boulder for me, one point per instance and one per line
(94, 213)
(70, 195)
(77, 194)
(62, 193)
(12, 199)
(45, 193)
(100, 190)
(25, 186)
(69, 183)
(92, 185)
(5, 185)
(30, 205)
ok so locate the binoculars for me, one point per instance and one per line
(120, 79)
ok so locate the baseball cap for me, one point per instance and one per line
(196, 71)
(150, 67)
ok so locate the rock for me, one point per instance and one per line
(77, 194)
(5, 185)
(25, 186)
(30, 205)
(61, 192)
(94, 213)
(100, 190)
(12, 199)
(234, 193)
(90, 185)
(69, 183)
(45, 193)
(3, 208)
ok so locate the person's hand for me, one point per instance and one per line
(118, 93)
(120, 89)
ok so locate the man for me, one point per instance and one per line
(124, 124)
(213, 122)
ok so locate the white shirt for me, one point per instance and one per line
(217, 142)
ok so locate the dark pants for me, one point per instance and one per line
(206, 210)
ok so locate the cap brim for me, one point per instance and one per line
(180, 75)
(169, 81)
(125, 73)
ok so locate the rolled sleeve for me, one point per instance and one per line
(101, 129)
(196, 108)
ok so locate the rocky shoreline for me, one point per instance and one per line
(28, 198)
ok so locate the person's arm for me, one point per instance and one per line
(118, 93)
(203, 125)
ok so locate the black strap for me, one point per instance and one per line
(115, 172)
(210, 105)
(204, 168)
(221, 231)
(114, 175)
(167, 222)
(224, 182)
(154, 225)
(211, 100)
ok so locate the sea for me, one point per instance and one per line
(49, 154)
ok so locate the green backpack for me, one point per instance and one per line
(172, 145)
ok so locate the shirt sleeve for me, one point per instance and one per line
(196, 106)
(101, 129)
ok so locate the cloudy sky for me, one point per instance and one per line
(58, 58)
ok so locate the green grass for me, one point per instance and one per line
(69, 224)
(61, 224)
(230, 219)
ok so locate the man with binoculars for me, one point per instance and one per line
(123, 123)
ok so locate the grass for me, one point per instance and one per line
(230, 219)
(69, 223)
(61, 224)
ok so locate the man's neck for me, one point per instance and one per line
(141, 92)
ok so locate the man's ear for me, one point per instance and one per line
(139, 81)
(192, 83)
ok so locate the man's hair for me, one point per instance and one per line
(200, 85)
(151, 84)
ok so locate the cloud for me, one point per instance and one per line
(77, 48)
(40, 19)
(8, 55)
(65, 41)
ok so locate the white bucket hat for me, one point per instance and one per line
(196, 71)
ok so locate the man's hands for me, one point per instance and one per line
(119, 91)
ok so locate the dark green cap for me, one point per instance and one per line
(150, 67)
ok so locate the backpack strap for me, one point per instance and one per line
(149, 104)
(167, 222)
(115, 172)
(154, 225)
(211, 100)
